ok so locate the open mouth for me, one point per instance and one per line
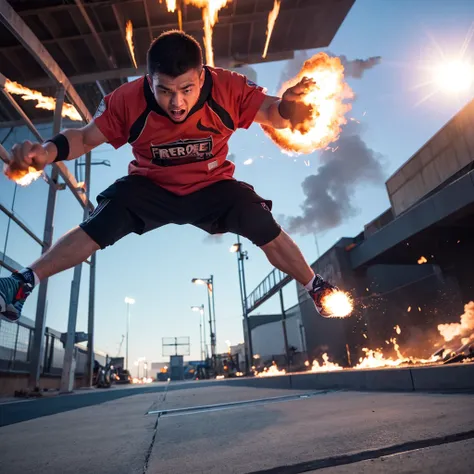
(177, 114)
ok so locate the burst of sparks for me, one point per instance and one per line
(272, 17)
(327, 101)
(129, 38)
(338, 303)
(397, 329)
(44, 102)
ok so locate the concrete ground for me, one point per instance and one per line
(332, 432)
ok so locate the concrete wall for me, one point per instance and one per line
(267, 339)
(448, 152)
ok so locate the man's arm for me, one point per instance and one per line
(81, 141)
(268, 114)
(289, 111)
(73, 143)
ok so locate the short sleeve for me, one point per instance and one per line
(110, 118)
(247, 98)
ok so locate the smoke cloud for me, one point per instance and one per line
(463, 330)
(356, 67)
(329, 193)
(352, 67)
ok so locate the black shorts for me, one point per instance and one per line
(136, 204)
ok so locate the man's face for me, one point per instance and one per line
(177, 95)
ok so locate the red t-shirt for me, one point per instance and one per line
(187, 156)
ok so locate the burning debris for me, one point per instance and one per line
(44, 102)
(272, 17)
(271, 371)
(129, 38)
(422, 260)
(454, 333)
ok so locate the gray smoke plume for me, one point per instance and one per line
(352, 67)
(356, 67)
(329, 193)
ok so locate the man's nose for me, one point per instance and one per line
(176, 99)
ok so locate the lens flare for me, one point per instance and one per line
(454, 76)
(338, 303)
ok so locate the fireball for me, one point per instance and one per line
(338, 303)
(326, 97)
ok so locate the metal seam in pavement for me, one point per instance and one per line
(230, 405)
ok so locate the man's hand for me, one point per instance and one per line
(293, 108)
(24, 155)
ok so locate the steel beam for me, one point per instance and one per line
(20, 224)
(141, 70)
(108, 59)
(40, 320)
(9, 263)
(28, 39)
(60, 167)
(148, 23)
(120, 22)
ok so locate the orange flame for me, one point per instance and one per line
(327, 100)
(171, 5)
(271, 371)
(326, 366)
(25, 178)
(210, 10)
(464, 329)
(129, 38)
(272, 16)
(44, 102)
(422, 260)
(338, 303)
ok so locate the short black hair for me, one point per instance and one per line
(173, 53)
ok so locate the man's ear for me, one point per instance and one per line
(150, 81)
(202, 76)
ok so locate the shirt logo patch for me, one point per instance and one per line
(182, 152)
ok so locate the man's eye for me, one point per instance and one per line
(187, 91)
(163, 92)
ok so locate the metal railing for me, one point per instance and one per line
(16, 343)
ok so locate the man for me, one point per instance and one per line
(178, 120)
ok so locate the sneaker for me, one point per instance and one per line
(13, 292)
(320, 289)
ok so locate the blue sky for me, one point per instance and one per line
(156, 269)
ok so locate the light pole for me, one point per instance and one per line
(209, 282)
(128, 302)
(242, 255)
(202, 331)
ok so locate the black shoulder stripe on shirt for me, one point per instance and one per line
(222, 113)
(137, 127)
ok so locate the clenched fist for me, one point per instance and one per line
(292, 106)
(24, 156)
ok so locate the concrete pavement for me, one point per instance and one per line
(330, 432)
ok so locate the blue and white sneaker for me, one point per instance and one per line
(320, 289)
(13, 292)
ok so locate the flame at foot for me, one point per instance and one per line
(338, 303)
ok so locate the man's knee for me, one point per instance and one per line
(257, 224)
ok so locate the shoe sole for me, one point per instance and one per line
(8, 311)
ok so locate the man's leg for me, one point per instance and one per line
(108, 223)
(70, 250)
(284, 254)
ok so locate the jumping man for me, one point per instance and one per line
(178, 119)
